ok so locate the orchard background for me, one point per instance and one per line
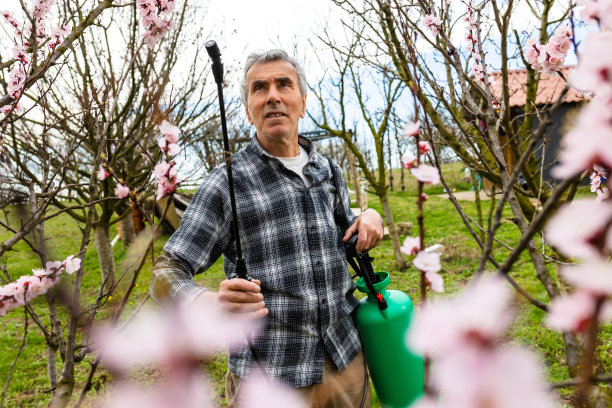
(110, 120)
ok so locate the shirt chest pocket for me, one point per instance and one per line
(325, 198)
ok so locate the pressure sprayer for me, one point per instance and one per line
(382, 317)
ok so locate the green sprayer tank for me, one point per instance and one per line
(397, 373)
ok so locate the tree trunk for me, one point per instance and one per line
(52, 366)
(62, 394)
(400, 262)
(127, 229)
(105, 254)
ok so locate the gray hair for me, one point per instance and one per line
(269, 56)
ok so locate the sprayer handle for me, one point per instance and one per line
(215, 55)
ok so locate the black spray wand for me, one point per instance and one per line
(241, 271)
(217, 68)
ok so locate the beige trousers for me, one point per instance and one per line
(338, 390)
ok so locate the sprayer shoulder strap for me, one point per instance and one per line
(339, 213)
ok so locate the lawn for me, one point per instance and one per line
(29, 385)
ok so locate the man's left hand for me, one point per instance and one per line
(370, 227)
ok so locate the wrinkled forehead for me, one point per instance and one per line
(271, 70)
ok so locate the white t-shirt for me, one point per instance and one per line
(296, 164)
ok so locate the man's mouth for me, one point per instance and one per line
(274, 115)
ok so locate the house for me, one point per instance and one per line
(549, 90)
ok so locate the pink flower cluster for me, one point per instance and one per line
(432, 23)
(122, 191)
(470, 368)
(165, 172)
(427, 261)
(551, 56)
(27, 287)
(472, 45)
(599, 177)
(18, 74)
(155, 18)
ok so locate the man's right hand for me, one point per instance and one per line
(238, 296)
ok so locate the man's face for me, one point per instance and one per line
(275, 104)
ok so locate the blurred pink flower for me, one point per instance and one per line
(576, 227)
(594, 72)
(412, 129)
(603, 194)
(593, 276)
(475, 318)
(426, 174)
(122, 191)
(169, 336)
(53, 266)
(257, 391)
(424, 197)
(434, 281)
(491, 378)
(72, 264)
(410, 246)
(427, 262)
(571, 312)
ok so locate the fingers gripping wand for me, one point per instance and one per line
(241, 271)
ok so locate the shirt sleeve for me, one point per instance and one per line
(204, 234)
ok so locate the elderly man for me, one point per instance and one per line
(292, 226)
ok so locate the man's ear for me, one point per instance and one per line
(246, 110)
(303, 112)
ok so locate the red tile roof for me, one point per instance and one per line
(549, 87)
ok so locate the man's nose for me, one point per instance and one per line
(273, 96)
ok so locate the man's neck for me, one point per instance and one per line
(281, 147)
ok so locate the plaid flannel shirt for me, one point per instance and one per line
(291, 242)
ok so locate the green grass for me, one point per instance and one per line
(442, 224)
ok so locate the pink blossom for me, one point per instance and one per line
(411, 245)
(5, 109)
(424, 147)
(499, 377)
(412, 129)
(188, 389)
(408, 160)
(170, 132)
(571, 313)
(576, 227)
(102, 173)
(173, 149)
(433, 23)
(259, 392)
(594, 276)
(597, 13)
(603, 194)
(426, 174)
(434, 281)
(427, 262)
(161, 170)
(165, 186)
(72, 264)
(169, 336)
(424, 197)
(53, 266)
(594, 72)
(477, 317)
(41, 272)
(122, 191)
